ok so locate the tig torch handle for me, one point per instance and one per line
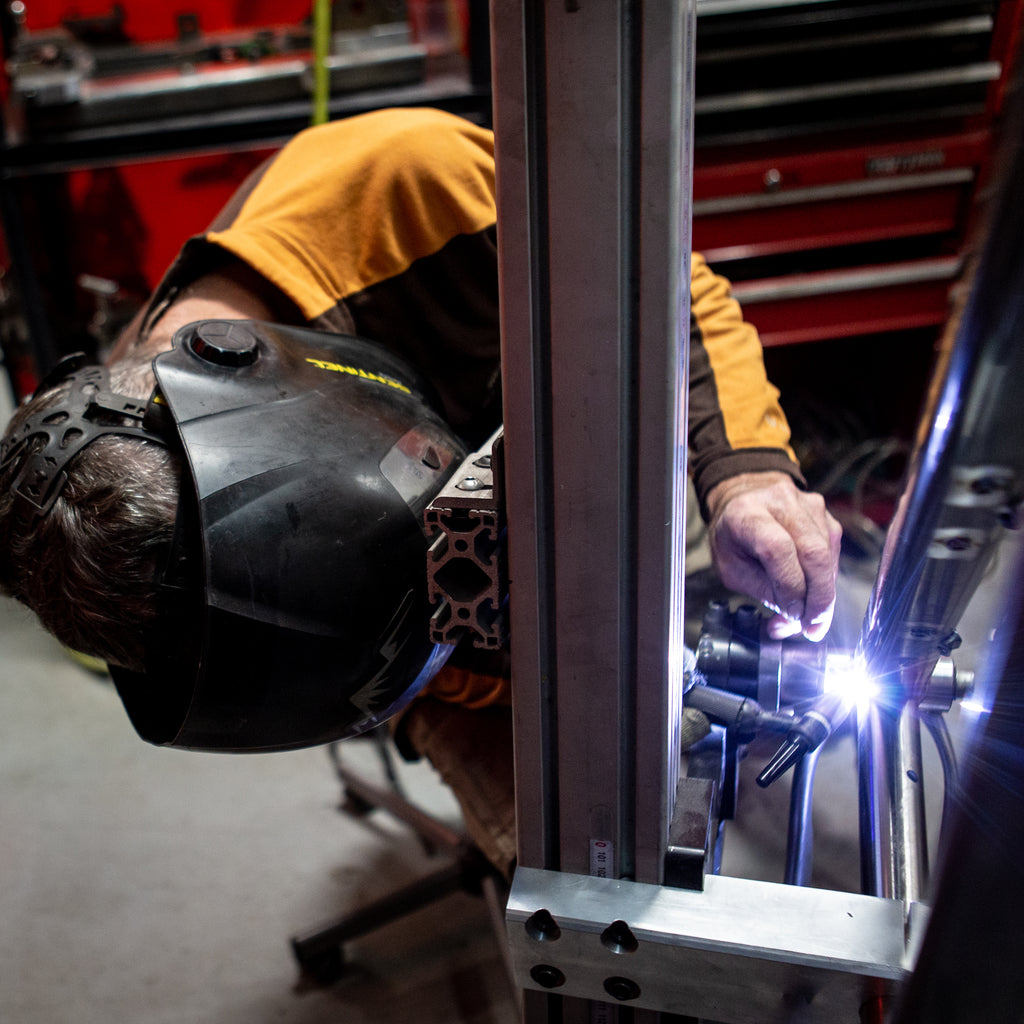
(744, 715)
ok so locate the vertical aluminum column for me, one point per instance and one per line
(593, 152)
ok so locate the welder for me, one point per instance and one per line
(228, 512)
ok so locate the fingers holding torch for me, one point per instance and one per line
(779, 545)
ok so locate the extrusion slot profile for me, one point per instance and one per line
(467, 578)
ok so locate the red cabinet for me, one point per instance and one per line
(840, 152)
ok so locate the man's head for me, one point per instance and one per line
(251, 556)
(86, 566)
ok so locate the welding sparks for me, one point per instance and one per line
(846, 676)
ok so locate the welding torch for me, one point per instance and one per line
(747, 717)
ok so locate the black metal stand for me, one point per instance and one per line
(320, 952)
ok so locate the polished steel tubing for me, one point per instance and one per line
(873, 771)
(910, 833)
(800, 837)
(893, 829)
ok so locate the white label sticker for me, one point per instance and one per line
(602, 858)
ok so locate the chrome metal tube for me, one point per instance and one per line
(873, 770)
(800, 838)
(894, 841)
(910, 833)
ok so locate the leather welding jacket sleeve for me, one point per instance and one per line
(384, 225)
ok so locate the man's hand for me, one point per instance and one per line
(779, 545)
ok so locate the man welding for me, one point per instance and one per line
(228, 513)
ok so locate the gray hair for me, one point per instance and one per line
(87, 567)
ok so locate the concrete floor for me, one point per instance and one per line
(154, 886)
(161, 887)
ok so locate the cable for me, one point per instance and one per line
(839, 469)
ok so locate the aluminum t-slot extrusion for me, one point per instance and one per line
(467, 579)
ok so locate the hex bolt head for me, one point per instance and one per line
(622, 989)
(547, 976)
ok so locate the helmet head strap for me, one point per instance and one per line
(89, 410)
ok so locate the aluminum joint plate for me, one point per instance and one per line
(741, 952)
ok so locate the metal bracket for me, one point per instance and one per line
(740, 951)
(691, 834)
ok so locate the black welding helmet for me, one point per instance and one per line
(294, 599)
